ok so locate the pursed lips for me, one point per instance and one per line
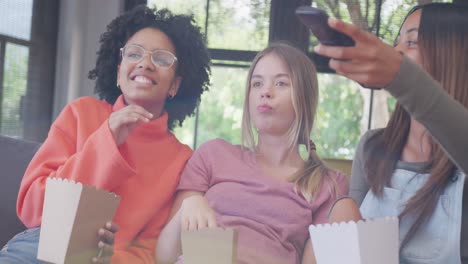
(264, 108)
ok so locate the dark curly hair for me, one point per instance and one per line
(192, 56)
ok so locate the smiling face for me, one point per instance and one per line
(143, 83)
(408, 38)
(270, 105)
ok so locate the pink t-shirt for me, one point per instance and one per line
(271, 219)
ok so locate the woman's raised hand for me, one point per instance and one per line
(123, 121)
(371, 62)
(197, 214)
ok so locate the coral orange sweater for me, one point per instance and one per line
(144, 171)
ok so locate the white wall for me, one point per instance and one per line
(81, 23)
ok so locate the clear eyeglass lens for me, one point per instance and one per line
(160, 58)
(134, 53)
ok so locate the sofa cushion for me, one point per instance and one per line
(15, 155)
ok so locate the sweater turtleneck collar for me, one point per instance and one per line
(154, 128)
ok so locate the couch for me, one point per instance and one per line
(342, 165)
(15, 155)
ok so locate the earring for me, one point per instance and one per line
(170, 97)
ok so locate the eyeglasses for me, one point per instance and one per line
(160, 58)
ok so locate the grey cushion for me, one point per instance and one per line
(15, 155)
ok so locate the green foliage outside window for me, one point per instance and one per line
(336, 129)
(220, 111)
(232, 24)
(244, 25)
(221, 108)
(14, 88)
(343, 111)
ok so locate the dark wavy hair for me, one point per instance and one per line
(193, 59)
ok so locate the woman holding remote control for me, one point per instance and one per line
(415, 167)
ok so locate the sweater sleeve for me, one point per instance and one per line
(141, 251)
(98, 163)
(444, 117)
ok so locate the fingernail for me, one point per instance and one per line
(99, 254)
(150, 115)
(108, 225)
(332, 20)
(100, 244)
(317, 48)
(94, 259)
(101, 231)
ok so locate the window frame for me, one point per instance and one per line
(284, 26)
(36, 108)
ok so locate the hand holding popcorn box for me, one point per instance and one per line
(72, 215)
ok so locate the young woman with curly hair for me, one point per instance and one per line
(151, 70)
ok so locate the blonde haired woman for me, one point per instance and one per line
(263, 189)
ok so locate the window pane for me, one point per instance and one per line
(238, 24)
(393, 13)
(339, 123)
(195, 7)
(221, 108)
(15, 18)
(382, 106)
(220, 111)
(363, 14)
(185, 133)
(14, 88)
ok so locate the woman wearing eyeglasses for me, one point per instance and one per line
(151, 70)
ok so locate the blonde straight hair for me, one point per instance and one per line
(308, 180)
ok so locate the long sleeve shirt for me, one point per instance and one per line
(144, 171)
(444, 117)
